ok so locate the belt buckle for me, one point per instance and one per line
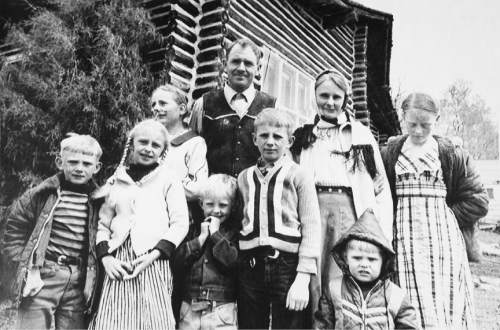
(275, 255)
(61, 260)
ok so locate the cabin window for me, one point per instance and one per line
(293, 87)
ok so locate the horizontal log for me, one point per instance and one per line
(208, 54)
(211, 5)
(208, 43)
(200, 90)
(213, 17)
(211, 30)
(273, 30)
(281, 25)
(203, 80)
(310, 29)
(208, 67)
(183, 57)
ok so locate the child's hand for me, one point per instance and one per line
(116, 269)
(214, 224)
(298, 295)
(142, 263)
(204, 232)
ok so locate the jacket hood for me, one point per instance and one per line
(367, 229)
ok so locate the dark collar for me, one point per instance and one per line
(77, 188)
(177, 141)
(137, 171)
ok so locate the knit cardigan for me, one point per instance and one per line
(465, 195)
(281, 210)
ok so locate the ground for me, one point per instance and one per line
(486, 276)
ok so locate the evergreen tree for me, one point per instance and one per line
(81, 69)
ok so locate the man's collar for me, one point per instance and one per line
(249, 93)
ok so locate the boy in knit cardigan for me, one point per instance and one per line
(278, 239)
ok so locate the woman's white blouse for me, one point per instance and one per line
(328, 168)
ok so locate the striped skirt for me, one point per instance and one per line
(143, 302)
(431, 256)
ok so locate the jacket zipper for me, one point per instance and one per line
(363, 301)
(51, 213)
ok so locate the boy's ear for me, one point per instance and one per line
(98, 166)
(59, 162)
(291, 139)
(254, 138)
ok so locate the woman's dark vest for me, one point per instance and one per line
(230, 147)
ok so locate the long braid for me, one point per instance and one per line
(362, 154)
(126, 150)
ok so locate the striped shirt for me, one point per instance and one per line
(281, 210)
(69, 234)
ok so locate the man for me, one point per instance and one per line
(225, 117)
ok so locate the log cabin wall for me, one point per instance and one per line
(191, 55)
(174, 58)
(295, 33)
(359, 83)
(197, 32)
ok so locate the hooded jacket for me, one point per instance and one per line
(27, 235)
(342, 304)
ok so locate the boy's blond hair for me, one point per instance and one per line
(219, 184)
(84, 144)
(275, 117)
(363, 245)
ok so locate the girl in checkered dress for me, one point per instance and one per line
(435, 191)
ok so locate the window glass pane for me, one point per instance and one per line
(301, 95)
(287, 95)
(271, 76)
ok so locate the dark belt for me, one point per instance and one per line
(261, 252)
(335, 189)
(64, 260)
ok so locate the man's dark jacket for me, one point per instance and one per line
(230, 147)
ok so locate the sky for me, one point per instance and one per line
(436, 42)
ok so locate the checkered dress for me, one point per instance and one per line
(431, 257)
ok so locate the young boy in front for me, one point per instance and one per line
(208, 258)
(278, 241)
(364, 297)
(50, 242)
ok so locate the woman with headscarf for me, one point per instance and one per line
(344, 160)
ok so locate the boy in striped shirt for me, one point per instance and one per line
(278, 241)
(50, 241)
